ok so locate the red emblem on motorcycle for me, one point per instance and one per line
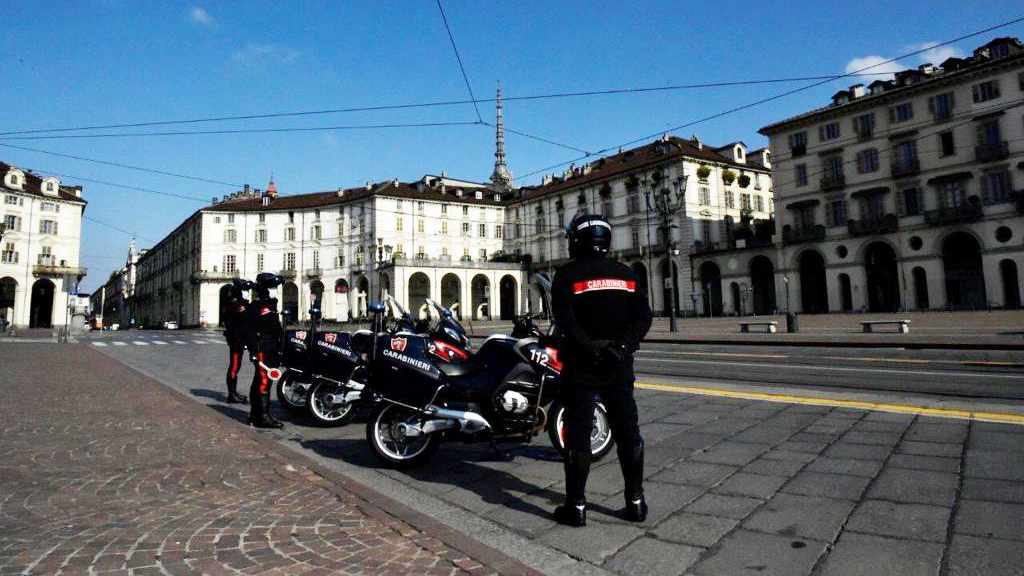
(398, 344)
(301, 334)
(330, 337)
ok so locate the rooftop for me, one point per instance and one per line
(34, 185)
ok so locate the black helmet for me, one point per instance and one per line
(264, 282)
(589, 235)
(239, 287)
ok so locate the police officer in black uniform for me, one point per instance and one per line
(602, 315)
(264, 342)
(235, 328)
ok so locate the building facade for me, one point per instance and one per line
(726, 197)
(433, 238)
(902, 195)
(39, 248)
(114, 301)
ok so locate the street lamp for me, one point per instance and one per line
(668, 205)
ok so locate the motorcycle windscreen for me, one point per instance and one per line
(335, 357)
(295, 349)
(403, 371)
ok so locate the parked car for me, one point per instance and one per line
(170, 325)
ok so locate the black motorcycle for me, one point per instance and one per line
(431, 386)
(323, 371)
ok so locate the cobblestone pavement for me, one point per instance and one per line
(736, 486)
(105, 472)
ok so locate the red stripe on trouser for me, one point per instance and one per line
(236, 360)
(264, 381)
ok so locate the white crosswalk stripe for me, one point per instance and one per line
(118, 343)
(179, 342)
(100, 344)
(140, 343)
(200, 341)
(160, 342)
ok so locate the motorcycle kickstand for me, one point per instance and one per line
(503, 455)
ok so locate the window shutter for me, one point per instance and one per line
(856, 126)
(980, 134)
(975, 92)
(901, 203)
(986, 192)
(995, 87)
(910, 110)
(828, 213)
(821, 133)
(892, 115)
(931, 105)
(952, 100)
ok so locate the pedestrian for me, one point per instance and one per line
(264, 342)
(602, 317)
(236, 311)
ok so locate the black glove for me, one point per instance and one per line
(615, 352)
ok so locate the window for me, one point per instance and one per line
(45, 257)
(828, 131)
(745, 201)
(497, 231)
(911, 198)
(49, 207)
(985, 91)
(946, 147)
(867, 161)
(995, 187)
(836, 213)
(419, 206)
(941, 106)
(801, 174)
(989, 133)
(341, 259)
(704, 195)
(833, 167)
(444, 227)
(229, 263)
(398, 204)
(316, 232)
(261, 236)
(289, 261)
(444, 251)
(12, 223)
(730, 199)
(864, 125)
(263, 218)
(359, 254)
(399, 225)
(421, 226)
(465, 229)
(905, 155)
(48, 227)
(483, 231)
(316, 214)
(465, 211)
(9, 256)
(758, 203)
(11, 200)
(633, 203)
(798, 144)
(901, 113)
(634, 236)
(230, 236)
(231, 218)
(465, 253)
(483, 254)
(953, 194)
(259, 262)
(289, 234)
(291, 217)
(705, 229)
(606, 205)
(444, 209)
(316, 259)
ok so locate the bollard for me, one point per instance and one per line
(792, 324)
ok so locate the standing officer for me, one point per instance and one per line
(264, 343)
(602, 317)
(235, 328)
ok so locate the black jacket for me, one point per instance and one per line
(264, 329)
(595, 300)
(236, 321)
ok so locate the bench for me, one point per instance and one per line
(902, 325)
(771, 326)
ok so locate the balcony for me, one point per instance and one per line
(992, 152)
(700, 247)
(215, 276)
(314, 272)
(905, 168)
(833, 182)
(814, 233)
(288, 274)
(954, 214)
(873, 225)
(50, 267)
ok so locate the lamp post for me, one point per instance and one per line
(667, 204)
(791, 321)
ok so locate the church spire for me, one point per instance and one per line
(501, 177)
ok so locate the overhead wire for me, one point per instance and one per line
(778, 96)
(117, 229)
(458, 57)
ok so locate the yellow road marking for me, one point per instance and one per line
(735, 354)
(871, 359)
(980, 416)
(992, 363)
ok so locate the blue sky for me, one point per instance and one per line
(108, 61)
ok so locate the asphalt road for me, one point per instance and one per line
(739, 486)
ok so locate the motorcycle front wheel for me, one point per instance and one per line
(600, 436)
(390, 445)
(325, 413)
(291, 392)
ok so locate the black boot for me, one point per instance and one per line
(577, 468)
(233, 396)
(631, 459)
(259, 408)
(267, 415)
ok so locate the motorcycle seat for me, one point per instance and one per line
(460, 369)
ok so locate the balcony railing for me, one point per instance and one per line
(215, 276)
(287, 273)
(314, 272)
(873, 225)
(953, 214)
(48, 267)
(905, 167)
(800, 235)
(833, 181)
(992, 152)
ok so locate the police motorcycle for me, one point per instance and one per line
(429, 387)
(320, 370)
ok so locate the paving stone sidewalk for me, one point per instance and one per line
(105, 472)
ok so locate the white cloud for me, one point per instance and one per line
(256, 54)
(874, 65)
(200, 16)
(933, 54)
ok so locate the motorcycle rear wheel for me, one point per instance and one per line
(601, 441)
(329, 415)
(394, 450)
(289, 394)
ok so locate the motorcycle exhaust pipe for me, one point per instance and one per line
(353, 392)
(468, 421)
(428, 427)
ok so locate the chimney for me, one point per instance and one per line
(857, 90)
(213, 200)
(368, 185)
(247, 189)
(341, 192)
(926, 68)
